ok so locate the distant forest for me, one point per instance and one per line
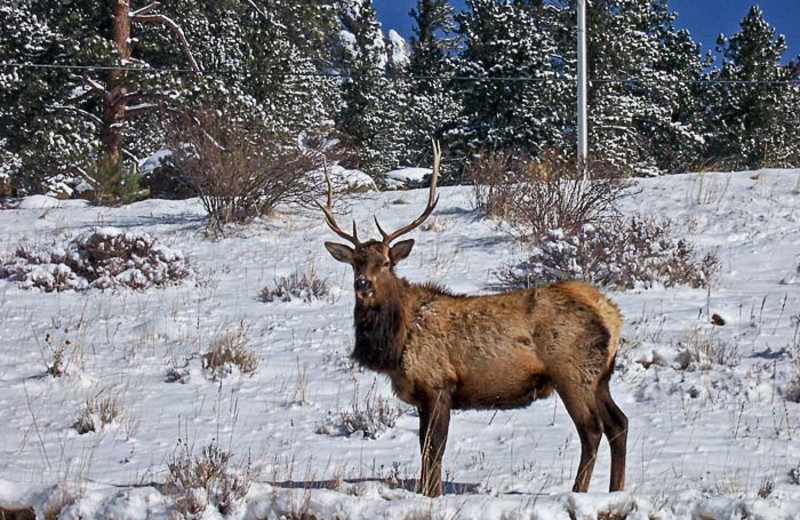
(90, 89)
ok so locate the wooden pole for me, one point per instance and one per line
(583, 143)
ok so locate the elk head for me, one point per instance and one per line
(373, 261)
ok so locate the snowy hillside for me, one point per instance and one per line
(104, 393)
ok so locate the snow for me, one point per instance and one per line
(39, 202)
(348, 41)
(154, 161)
(345, 180)
(409, 176)
(705, 437)
(399, 53)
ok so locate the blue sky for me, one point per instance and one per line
(705, 19)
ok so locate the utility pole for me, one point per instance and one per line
(583, 145)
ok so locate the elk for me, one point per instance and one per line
(443, 351)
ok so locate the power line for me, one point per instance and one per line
(396, 77)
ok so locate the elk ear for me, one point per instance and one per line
(340, 252)
(401, 250)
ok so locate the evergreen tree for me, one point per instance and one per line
(508, 39)
(637, 108)
(264, 55)
(433, 104)
(372, 114)
(754, 124)
(28, 124)
(432, 42)
(85, 115)
(70, 119)
(677, 143)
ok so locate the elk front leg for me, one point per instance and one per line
(434, 421)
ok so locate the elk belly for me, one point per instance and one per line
(512, 382)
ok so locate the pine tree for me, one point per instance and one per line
(432, 42)
(118, 94)
(271, 51)
(504, 39)
(26, 96)
(371, 118)
(433, 103)
(85, 115)
(678, 141)
(638, 110)
(80, 116)
(754, 124)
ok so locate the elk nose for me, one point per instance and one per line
(363, 285)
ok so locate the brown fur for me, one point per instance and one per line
(444, 351)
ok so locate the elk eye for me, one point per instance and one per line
(386, 263)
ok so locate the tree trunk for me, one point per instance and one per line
(114, 102)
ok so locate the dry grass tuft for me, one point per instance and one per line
(372, 417)
(98, 411)
(230, 350)
(306, 286)
(208, 478)
(767, 486)
(791, 389)
(701, 350)
(17, 514)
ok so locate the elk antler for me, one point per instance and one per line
(328, 210)
(433, 199)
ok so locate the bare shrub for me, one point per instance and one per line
(207, 478)
(239, 167)
(305, 286)
(62, 347)
(99, 410)
(490, 174)
(103, 258)
(534, 197)
(230, 350)
(372, 417)
(638, 252)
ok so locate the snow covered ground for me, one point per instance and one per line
(714, 435)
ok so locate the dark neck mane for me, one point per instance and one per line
(381, 331)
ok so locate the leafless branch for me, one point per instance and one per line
(141, 109)
(91, 117)
(172, 26)
(96, 87)
(146, 9)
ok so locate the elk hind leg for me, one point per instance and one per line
(584, 414)
(615, 426)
